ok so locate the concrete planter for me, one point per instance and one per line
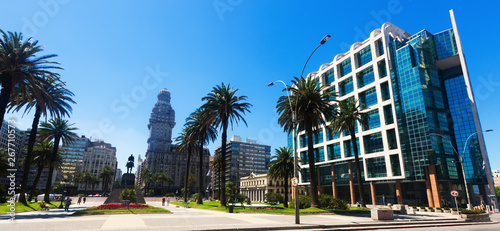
(421, 209)
(476, 217)
(447, 210)
(382, 214)
(411, 211)
(454, 212)
(438, 210)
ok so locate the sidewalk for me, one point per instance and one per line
(195, 219)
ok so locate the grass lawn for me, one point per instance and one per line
(214, 205)
(96, 211)
(22, 208)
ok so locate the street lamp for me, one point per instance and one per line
(294, 125)
(64, 192)
(460, 159)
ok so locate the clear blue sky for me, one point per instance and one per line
(109, 49)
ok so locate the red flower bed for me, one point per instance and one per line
(121, 206)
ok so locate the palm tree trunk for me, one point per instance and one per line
(312, 166)
(29, 154)
(200, 174)
(223, 163)
(49, 184)
(285, 203)
(187, 175)
(35, 182)
(358, 167)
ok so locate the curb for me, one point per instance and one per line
(363, 226)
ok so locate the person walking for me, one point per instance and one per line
(68, 203)
(168, 201)
(79, 200)
(163, 201)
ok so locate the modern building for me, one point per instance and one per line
(118, 176)
(98, 155)
(161, 156)
(12, 142)
(72, 159)
(243, 159)
(415, 92)
(256, 187)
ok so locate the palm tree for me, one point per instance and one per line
(87, 179)
(147, 177)
(281, 167)
(186, 144)
(20, 65)
(42, 153)
(169, 180)
(311, 102)
(78, 178)
(4, 162)
(202, 128)
(55, 102)
(216, 166)
(345, 121)
(106, 174)
(191, 181)
(224, 108)
(94, 180)
(58, 130)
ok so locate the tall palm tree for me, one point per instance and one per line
(281, 167)
(186, 144)
(42, 153)
(224, 108)
(216, 166)
(106, 174)
(20, 65)
(311, 102)
(55, 102)
(78, 178)
(147, 177)
(87, 179)
(345, 121)
(169, 180)
(57, 130)
(202, 128)
(94, 180)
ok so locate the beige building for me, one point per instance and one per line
(256, 186)
(496, 177)
(97, 155)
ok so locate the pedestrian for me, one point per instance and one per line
(68, 202)
(168, 201)
(79, 200)
(163, 201)
(84, 199)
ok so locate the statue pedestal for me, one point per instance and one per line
(128, 180)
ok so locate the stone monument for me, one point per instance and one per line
(128, 179)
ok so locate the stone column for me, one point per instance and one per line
(399, 194)
(351, 185)
(434, 186)
(374, 193)
(428, 187)
(334, 187)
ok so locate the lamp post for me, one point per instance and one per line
(460, 159)
(64, 192)
(294, 125)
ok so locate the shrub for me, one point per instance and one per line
(446, 208)
(304, 202)
(151, 192)
(170, 195)
(3, 191)
(273, 198)
(128, 195)
(474, 211)
(328, 202)
(119, 206)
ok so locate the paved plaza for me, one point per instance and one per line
(195, 219)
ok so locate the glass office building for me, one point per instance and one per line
(419, 112)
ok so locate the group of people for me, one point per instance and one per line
(163, 201)
(80, 200)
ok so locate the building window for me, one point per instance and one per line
(376, 167)
(334, 151)
(330, 135)
(365, 77)
(371, 120)
(380, 47)
(349, 149)
(384, 88)
(396, 167)
(373, 143)
(345, 67)
(329, 76)
(318, 136)
(389, 119)
(368, 98)
(391, 139)
(364, 56)
(346, 86)
(382, 72)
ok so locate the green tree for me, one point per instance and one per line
(147, 178)
(201, 129)
(230, 192)
(55, 101)
(224, 108)
(57, 130)
(169, 180)
(87, 179)
(42, 153)
(186, 143)
(191, 181)
(281, 167)
(4, 162)
(273, 198)
(106, 174)
(345, 121)
(497, 190)
(94, 180)
(311, 103)
(215, 165)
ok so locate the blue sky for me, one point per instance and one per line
(117, 55)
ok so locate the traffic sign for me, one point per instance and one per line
(295, 182)
(454, 193)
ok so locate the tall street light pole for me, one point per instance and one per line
(294, 125)
(460, 159)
